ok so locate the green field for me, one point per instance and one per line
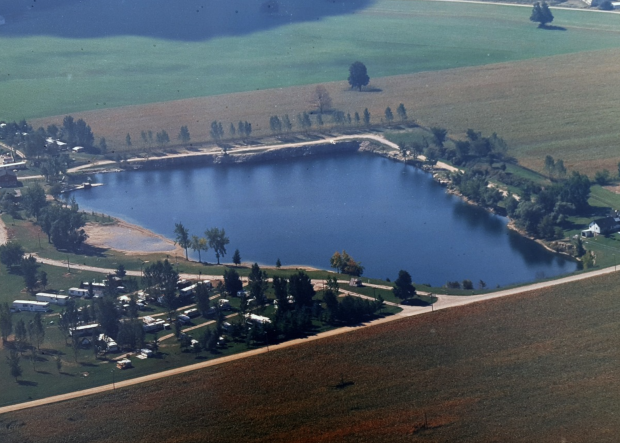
(42, 76)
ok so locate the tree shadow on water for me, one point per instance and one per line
(190, 20)
(551, 28)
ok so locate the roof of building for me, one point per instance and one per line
(607, 223)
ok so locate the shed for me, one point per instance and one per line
(357, 282)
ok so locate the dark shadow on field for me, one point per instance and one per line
(551, 28)
(27, 383)
(92, 251)
(189, 20)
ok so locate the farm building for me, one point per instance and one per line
(602, 226)
(8, 176)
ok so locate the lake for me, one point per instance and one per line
(387, 215)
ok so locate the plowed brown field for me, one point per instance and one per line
(565, 106)
(540, 367)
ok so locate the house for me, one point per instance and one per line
(78, 149)
(355, 282)
(8, 176)
(602, 226)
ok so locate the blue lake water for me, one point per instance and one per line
(387, 215)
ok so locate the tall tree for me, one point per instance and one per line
(6, 322)
(402, 112)
(128, 139)
(29, 272)
(280, 290)
(439, 134)
(184, 136)
(202, 298)
(236, 257)
(345, 264)
(389, 116)
(199, 244)
(11, 254)
(403, 287)
(358, 75)
(320, 99)
(182, 237)
(21, 335)
(36, 331)
(217, 241)
(541, 14)
(366, 117)
(33, 200)
(14, 366)
(301, 288)
(258, 284)
(232, 282)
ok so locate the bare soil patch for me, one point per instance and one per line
(130, 239)
(564, 106)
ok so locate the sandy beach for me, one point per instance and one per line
(130, 239)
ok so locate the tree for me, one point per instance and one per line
(33, 200)
(278, 264)
(120, 271)
(217, 131)
(280, 291)
(11, 254)
(275, 124)
(389, 116)
(602, 177)
(103, 145)
(301, 288)
(6, 322)
(402, 112)
(21, 334)
(217, 241)
(232, 282)
(236, 258)
(162, 138)
(258, 284)
(320, 99)
(36, 331)
(366, 117)
(541, 14)
(14, 366)
(182, 237)
(402, 148)
(29, 272)
(356, 117)
(128, 139)
(202, 298)
(43, 278)
(63, 225)
(439, 134)
(403, 288)
(286, 123)
(199, 244)
(232, 132)
(345, 264)
(184, 136)
(358, 75)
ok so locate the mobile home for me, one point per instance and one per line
(32, 306)
(55, 299)
(77, 292)
(84, 330)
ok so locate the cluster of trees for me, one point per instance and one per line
(242, 130)
(471, 150)
(214, 238)
(555, 169)
(13, 257)
(63, 225)
(544, 217)
(348, 310)
(474, 185)
(75, 133)
(28, 336)
(345, 264)
(465, 284)
(541, 14)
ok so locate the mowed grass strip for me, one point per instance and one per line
(541, 366)
(48, 75)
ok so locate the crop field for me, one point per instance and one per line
(541, 367)
(49, 73)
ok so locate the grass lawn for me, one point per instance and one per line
(50, 75)
(535, 367)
